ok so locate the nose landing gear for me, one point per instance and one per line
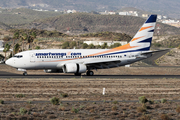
(25, 74)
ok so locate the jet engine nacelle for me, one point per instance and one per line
(53, 71)
(74, 68)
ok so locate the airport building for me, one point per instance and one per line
(109, 43)
(1, 43)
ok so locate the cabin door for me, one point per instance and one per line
(32, 57)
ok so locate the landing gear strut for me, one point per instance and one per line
(89, 73)
(25, 74)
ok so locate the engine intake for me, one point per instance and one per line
(74, 68)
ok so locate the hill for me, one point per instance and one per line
(23, 15)
(82, 23)
(4, 26)
(165, 7)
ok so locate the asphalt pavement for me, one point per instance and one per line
(62, 76)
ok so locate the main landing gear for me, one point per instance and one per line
(25, 74)
(89, 73)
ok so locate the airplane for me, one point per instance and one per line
(80, 61)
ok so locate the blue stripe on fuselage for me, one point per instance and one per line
(143, 49)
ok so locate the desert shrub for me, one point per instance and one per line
(115, 102)
(156, 102)
(37, 47)
(104, 46)
(64, 95)
(85, 45)
(74, 110)
(65, 45)
(142, 99)
(72, 44)
(81, 107)
(22, 111)
(91, 46)
(163, 100)
(115, 45)
(178, 109)
(114, 108)
(164, 117)
(20, 95)
(1, 101)
(179, 47)
(141, 109)
(54, 101)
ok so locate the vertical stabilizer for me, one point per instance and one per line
(143, 37)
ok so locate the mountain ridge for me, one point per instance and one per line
(164, 7)
(85, 23)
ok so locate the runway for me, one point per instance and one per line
(13, 75)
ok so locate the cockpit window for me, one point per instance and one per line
(18, 56)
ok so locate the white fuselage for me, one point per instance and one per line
(55, 59)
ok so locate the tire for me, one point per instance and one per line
(90, 73)
(25, 74)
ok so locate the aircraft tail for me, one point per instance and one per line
(143, 38)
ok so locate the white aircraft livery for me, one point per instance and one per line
(79, 61)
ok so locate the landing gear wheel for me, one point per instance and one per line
(90, 73)
(25, 74)
(77, 74)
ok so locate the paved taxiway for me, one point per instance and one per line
(13, 75)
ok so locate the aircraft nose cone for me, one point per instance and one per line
(8, 62)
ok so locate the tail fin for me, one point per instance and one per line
(143, 37)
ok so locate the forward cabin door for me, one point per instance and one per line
(32, 57)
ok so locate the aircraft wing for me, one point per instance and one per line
(102, 64)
